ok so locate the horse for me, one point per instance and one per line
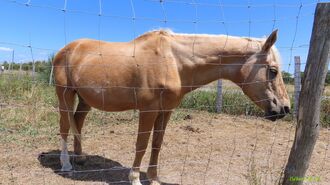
(152, 73)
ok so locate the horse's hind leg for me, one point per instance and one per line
(66, 99)
(79, 116)
(64, 157)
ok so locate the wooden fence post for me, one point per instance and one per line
(219, 97)
(11, 64)
(308, 121)
(51, 75)
(297, 84)
(33, 69)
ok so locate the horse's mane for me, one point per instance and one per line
(153, 32)
(277, 55)
(169, 32)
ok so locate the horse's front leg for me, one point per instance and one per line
(157, 140)
(146, 122)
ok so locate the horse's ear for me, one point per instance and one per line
(270, 41)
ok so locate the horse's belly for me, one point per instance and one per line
(114, 99)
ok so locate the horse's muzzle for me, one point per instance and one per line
(275, 115)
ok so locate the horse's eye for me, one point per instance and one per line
(273, 71)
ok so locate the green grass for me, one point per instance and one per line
(28, 107)
(34, 93)
(236, 103)
(325, 112)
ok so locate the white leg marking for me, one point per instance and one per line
(134, 177)
(154, 182)
(151, 174)
(65, 158)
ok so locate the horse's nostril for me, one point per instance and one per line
(286, 109)
(275, 101)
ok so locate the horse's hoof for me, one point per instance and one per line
(80, 159)
(134, 177)
(155, 182)
(136, 183)
(66, 167)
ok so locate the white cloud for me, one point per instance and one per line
(5, 49)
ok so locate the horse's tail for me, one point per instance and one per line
(72, 121)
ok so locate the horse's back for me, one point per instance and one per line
(89, 68)
(85, 56)
(108, 76)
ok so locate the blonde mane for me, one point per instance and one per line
(277, 55)
(169, 32)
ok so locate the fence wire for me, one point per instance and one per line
(199, 161)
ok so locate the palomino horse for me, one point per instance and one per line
(152, 73)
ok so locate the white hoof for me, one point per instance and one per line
(65, 158)
(65, 162)
(66, 167)
(136, 182)
(134, 177)
(154, 182)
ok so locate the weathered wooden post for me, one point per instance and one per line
(297, 84)
(219, 97)
(11, 64)
(308, 120)
(33, 69)
(20, 67)
(51, 75)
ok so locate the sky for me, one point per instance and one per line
(43, 25)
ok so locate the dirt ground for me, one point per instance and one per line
(199, 148)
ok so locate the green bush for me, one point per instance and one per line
(42, 68)
(325, 112)
(199, 100)
(13, 87)
(43, 76)
(236, 103)
(23, 89)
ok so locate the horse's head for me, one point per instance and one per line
(262, 80)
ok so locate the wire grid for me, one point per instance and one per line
(185, 162)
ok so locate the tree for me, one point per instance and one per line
(6, 65)
(287, 77)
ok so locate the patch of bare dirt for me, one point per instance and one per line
(206, 149)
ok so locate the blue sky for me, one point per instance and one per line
(47, 28)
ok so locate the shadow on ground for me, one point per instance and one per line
(95, 169)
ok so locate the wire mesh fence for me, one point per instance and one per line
(200, 147)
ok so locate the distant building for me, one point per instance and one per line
(2, 68)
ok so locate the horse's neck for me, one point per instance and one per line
(203, 59)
